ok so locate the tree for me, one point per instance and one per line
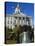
(7, 32)
(20, 29)
(17, 30)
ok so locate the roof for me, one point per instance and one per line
(17, 15)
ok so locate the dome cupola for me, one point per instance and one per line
(17, 10)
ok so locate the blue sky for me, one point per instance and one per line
(34, 14)
(26, 8)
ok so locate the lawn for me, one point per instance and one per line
(11, 41)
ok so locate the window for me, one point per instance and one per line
(27, 19)
(14, 22)
(16, 17)
(8, 21)
(23, 18)
(29, 22)
(19, 17)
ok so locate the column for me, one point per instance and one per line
(21, 21)
(13, 23)
(25, 21)
(18, 21)
(30, 22)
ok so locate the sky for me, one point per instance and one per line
(34, 14)
(25, 8)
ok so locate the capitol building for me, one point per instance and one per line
(18, 18)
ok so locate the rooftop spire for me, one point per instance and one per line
(17, 10)
(17, 5)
